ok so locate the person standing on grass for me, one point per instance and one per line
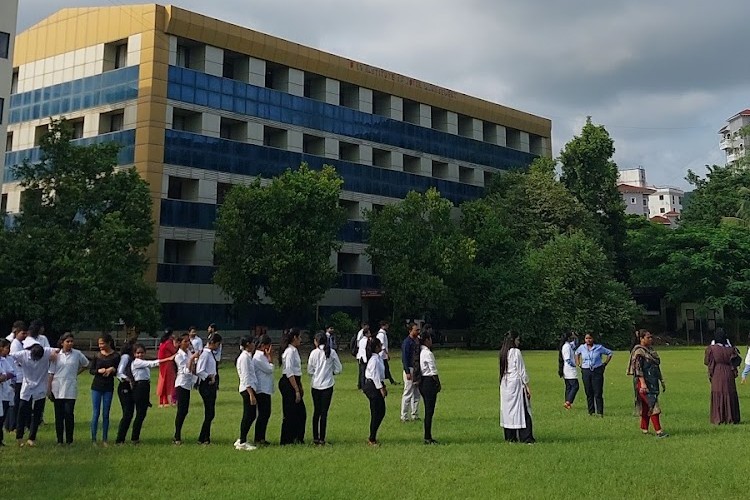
(196, 344)
(385, 353)
(567, 366)
(515, 395)
(103, 368)
(34, 367)
(263, 364)
(167, 371)
(593, 360)
(429, 385)
(213, 330)
(746, 370)
(63, 382)
(410, 353)
(290, 386)
(645, 368)
(331, 338)
(185, 362)
(362, 354)
(322, 365)
(7, 376)
(206, 369)
(140, 369)
(248, 387)
(375, 390)
(722, 361)
(125, 391)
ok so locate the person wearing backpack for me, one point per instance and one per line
(410, 360)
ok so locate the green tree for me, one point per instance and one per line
(575, 289)
(276, 240)
(77, 249)
(417, 249)
(720, 194)
(590, 174)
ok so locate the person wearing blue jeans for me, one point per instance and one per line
(104, 369)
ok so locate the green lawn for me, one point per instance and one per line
(576, 455)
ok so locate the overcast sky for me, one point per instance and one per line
(661, 76)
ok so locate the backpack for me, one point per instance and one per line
(416, 375)
(353, 345)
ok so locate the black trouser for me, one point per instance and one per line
(593, 384)
(321, 404)
(525, 435)
(377, 408)
(207, 390)
(125, 395)
(183, 405)
(429, 390)
(30, 412)
(6, 407)
(571, 389)
(141, 390)
(249, 412)
(264, 414)
(64, 419)
(387, 372)
(11, 418)
(295, 414)
(361, 378)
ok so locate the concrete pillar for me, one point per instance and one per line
(425, 115)
(255, 133)
(214, 60)
(494, 134)
(331, 148)
(172, 51)
(451, 122)
(425, 166)
(524, 141)
(91, 124)
(452, 172)
(134, 50)
(256, 72)
(206, 191)
(365, 155)
(326, 90)
(397, 161)
(293, 81)
(294, 141)
(365, 100)
(129, 116)
(210, 125)
(477, 128)
(169, 118)
(204, 253)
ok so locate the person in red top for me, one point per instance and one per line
(167, 371)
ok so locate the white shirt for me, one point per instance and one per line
(16, 346)
(375, 370)
(35, 374)
(64, 373)
(185, 378)
(7, 393)
(246, 372)
(362, 349)
(197, 344)
(747, 357)
(360, 334)
(568, 356)
(141, 369)
(206, 364)
(427, 362)
(383, 338)
(323, 369)
(290, 362)
(263, 372)
(11, 336)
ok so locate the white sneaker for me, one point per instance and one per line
(246, 447)
(237, 444)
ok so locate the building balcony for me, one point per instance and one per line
(727, 143)
(733, 157)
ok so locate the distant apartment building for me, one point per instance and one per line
(732, 143)
(664, 203)
(8, 17)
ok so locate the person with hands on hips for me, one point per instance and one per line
(593, 359)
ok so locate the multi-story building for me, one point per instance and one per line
(8, 19)
(199, 104)
(732, 142)
(649, 201)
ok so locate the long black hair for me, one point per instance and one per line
(127, 348)
(372, 344)
(166, 335)
(107, 338)
(322, 339)
(509, 342)
(286, 340)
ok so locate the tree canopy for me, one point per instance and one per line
(76, 254)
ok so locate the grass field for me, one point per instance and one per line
(575, 455)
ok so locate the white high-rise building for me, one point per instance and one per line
(8, 18)
(647, 200)
(732, 143)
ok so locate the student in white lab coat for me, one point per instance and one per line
(515, 396)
